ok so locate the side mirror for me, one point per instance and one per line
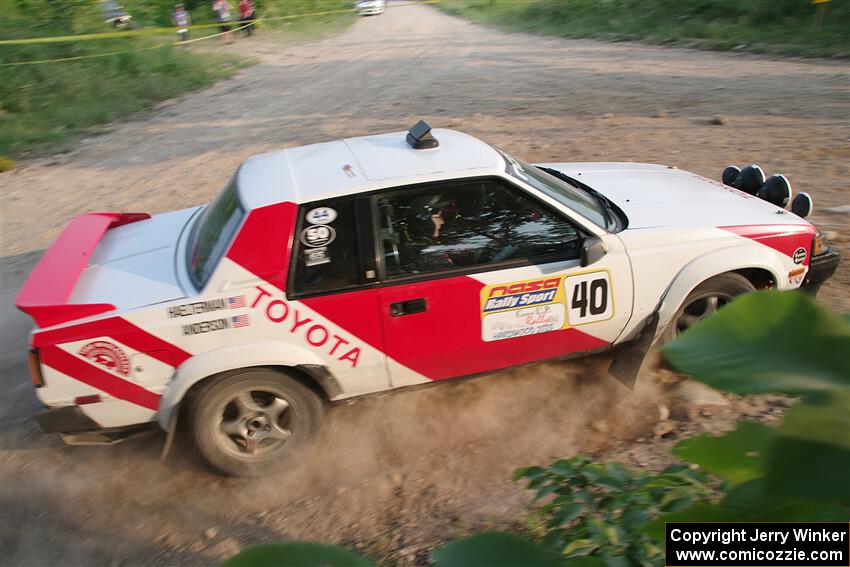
(592, 250)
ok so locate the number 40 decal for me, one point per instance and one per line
(589, 298)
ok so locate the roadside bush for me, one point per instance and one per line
(782, 26)
(600, 509)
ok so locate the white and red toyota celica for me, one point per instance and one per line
(335, 270)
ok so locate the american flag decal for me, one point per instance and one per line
(236, 302)
(240, 321)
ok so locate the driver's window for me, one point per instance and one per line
(467, 224)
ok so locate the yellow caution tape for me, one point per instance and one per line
(110, 53)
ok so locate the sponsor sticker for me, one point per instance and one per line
(799, 255)
(107, 355)
(317, 236)
(522, 322)
(518, 309)
(796, 277)
(541, 305)
(321, 215)
(315, 256)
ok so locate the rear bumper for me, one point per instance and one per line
(68, 419)
(821, 269)
(76, 428)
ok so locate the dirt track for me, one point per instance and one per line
(395, 474)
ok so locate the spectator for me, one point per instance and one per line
(246, 13)
(182, 20)
(222, 8)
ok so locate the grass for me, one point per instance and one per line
(789, 27)
(45, 108)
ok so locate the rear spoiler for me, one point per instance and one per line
(45, 294)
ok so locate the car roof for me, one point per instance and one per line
(355, 165)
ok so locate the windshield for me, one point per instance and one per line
(575, 198)
(212, 233)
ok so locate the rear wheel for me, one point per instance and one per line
(705, 300)
(248, 422)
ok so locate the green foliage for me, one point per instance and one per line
(43, 107)
(491, 549)
(599, 509)
(300, 553)
(769, 342)
(735, 457)
(783, 26)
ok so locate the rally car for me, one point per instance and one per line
(361, 265)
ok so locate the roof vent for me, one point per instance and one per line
(419, 137)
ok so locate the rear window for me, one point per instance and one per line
(212, 234)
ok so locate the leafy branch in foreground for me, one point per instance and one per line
(763, 343)
(600, 509)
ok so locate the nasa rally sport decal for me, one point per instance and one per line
(517, 309)
(541, 305)
(317, 236)
(799, 255)
(321, 215)
(107, 355)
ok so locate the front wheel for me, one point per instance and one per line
(705, 300)
(249, 421)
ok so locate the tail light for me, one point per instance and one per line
(35, 369)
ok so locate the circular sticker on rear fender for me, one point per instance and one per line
(799, 255)
(316, 236)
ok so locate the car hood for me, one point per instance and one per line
(661, 196)
(136, 264)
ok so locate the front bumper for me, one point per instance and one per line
(821, 269)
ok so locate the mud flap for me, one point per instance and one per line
(169, 434)
(629, 357)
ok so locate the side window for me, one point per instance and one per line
(325, 247)
(468, 224)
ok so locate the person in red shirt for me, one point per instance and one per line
(246, 13)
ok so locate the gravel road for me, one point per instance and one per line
(395, 475)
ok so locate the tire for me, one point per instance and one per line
(704, 300)
(249, 422)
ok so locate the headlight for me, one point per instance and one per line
(819, 244)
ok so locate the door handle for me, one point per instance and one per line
(408, 307)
